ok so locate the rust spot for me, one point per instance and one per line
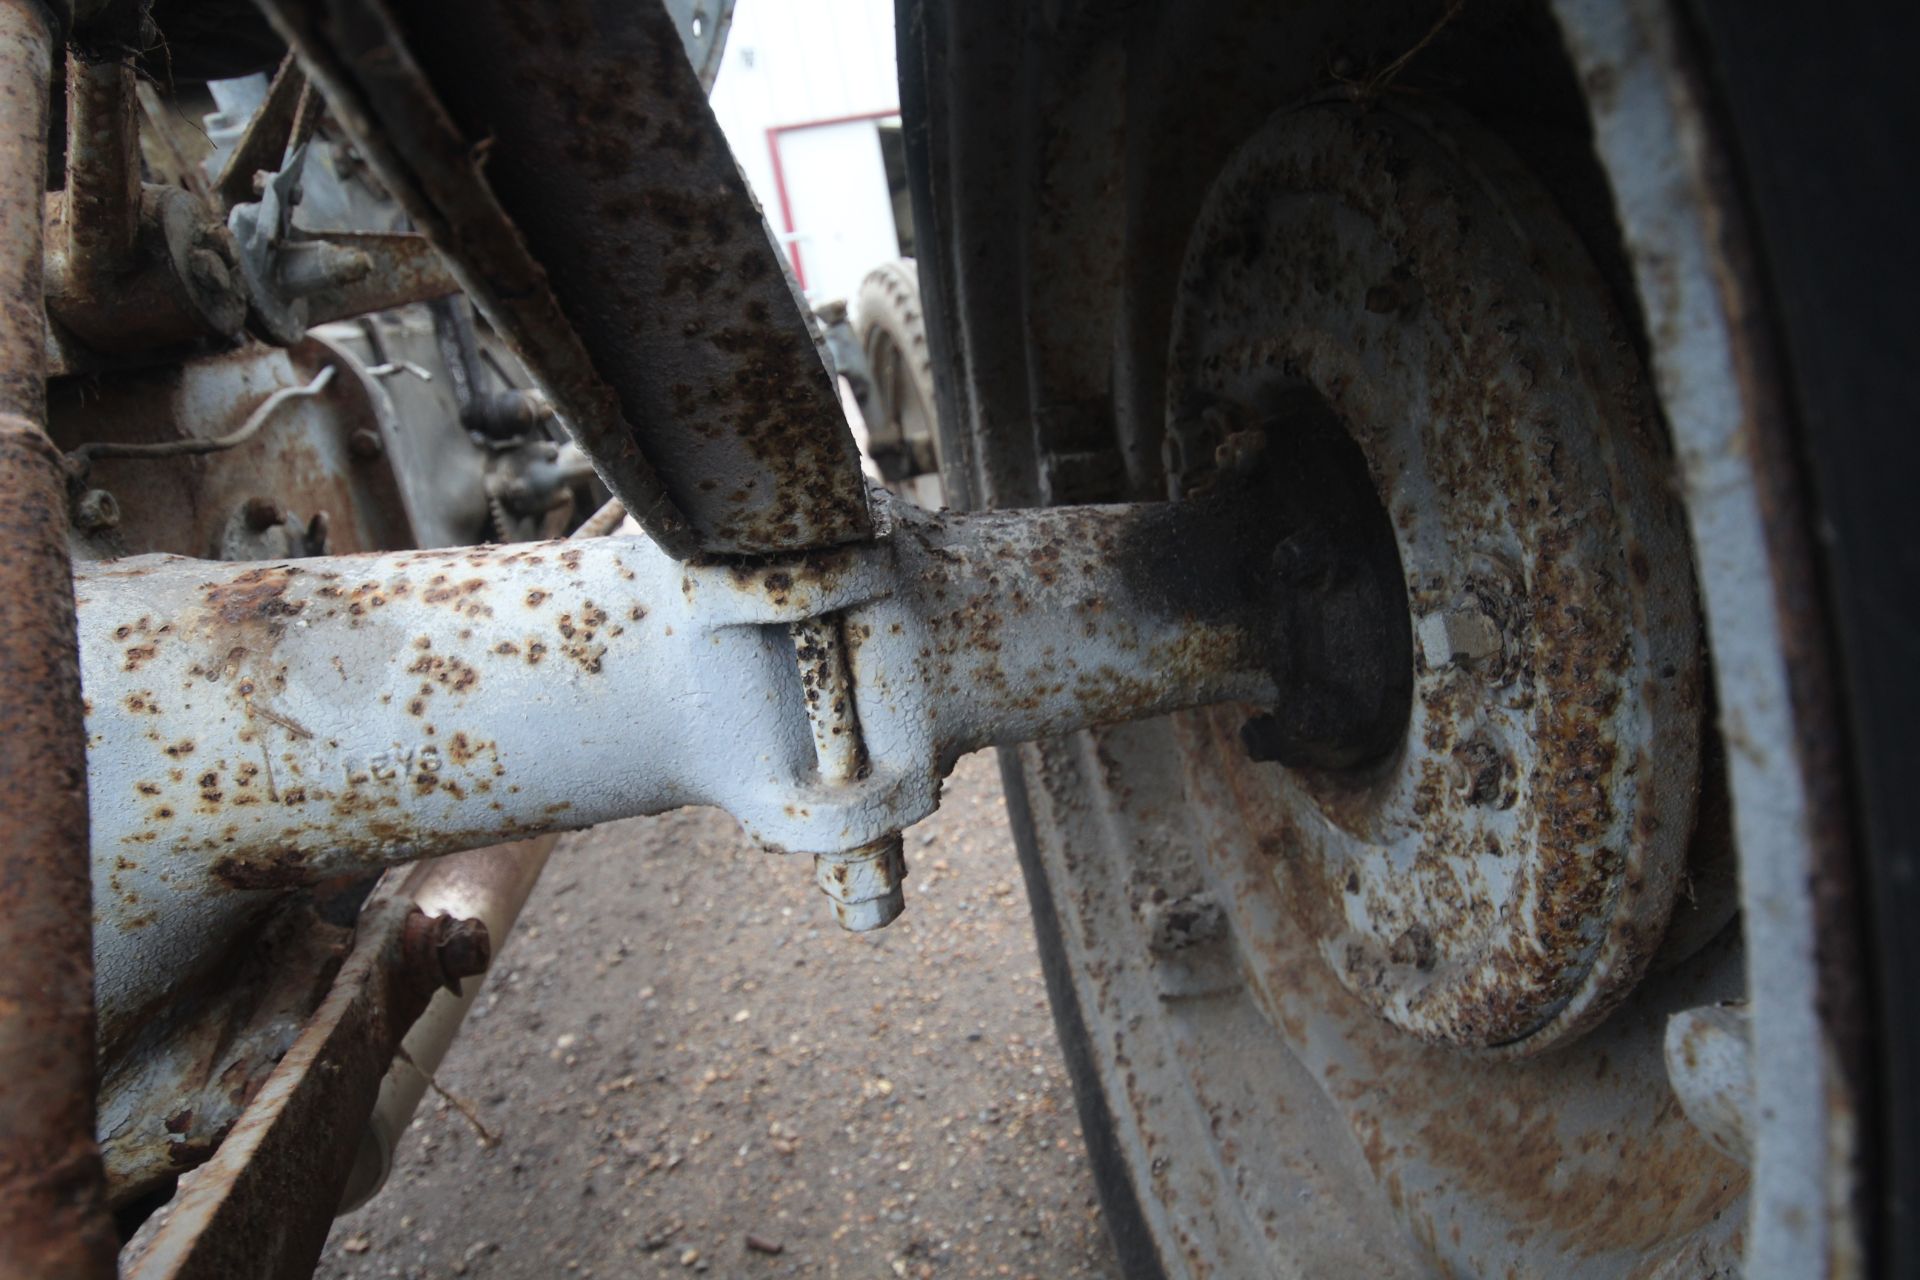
(255, 596)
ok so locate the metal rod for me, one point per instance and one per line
(83, 454)
(828, 690)
(264, 143)
(102, 207)
(489, 885)
(53, 1219)
(604, 522)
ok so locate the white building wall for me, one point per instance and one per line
(800, 62)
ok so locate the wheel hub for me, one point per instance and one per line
(1505, 875)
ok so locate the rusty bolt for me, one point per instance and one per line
(263, 513)
(95, 510)
(1485, 773)
(455, 948)
(365, 444)
(864, 884)
(1240, 453)
(1464, 634)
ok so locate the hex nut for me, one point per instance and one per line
(864, 884)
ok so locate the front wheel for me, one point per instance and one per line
(1576, 978)
(902, 432)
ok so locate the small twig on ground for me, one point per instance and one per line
(487, 1137)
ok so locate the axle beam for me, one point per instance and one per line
(255, 727)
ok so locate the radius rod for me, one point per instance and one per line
(268, 725)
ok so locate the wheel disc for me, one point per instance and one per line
(1508, 874)
(1318, 1025)
(1421, 942)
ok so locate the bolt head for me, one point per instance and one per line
(1240, 452)
(864, 884)
(449, 948)
(465, 949)
(96, 510)
(208, 271)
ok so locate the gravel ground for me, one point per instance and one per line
(689, 1068)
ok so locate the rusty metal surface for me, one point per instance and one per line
(303, 459)
(263, 144)
(1271, 1122)
(170, 1098)
(182, 284)
(102, 206)
(259, 727)
(820, 646)
(487, 885)
(129, 267)
(401, 268)
(712, 416)
(1309, 1134)
(1655, 124)
(53, 1217)
(269, 725)
(656, 249)
(1345, 252)
(1507, 878)
(262, 1205)
(23, 140)
(1487, 1163)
